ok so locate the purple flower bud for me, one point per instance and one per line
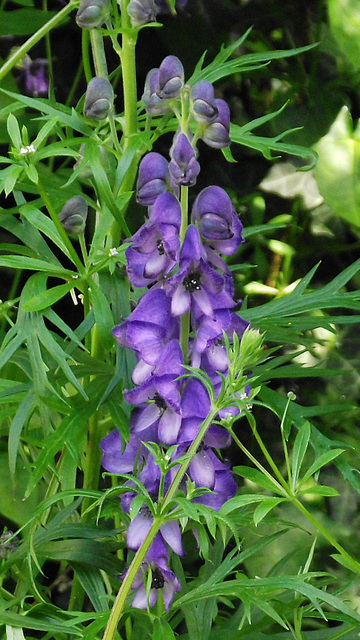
(203, 102)
(92, 13)
(99, 98)
(142, 12)
(183, 166)
(153, 178)
(216, 218)
(171, 78)
(216, 135)
(73, 215)
(36, 82)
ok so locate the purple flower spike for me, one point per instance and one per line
(153, 178)
(203, 102)
(184, 168)
(162, 578)
(216, 135)
(217, 220)
(142, 12)
(171, 78)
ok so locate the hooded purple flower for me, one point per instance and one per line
(162, 392)
(183, 166)
(196, 281)
(155, 247)
(204, 105)
(161, 578)
(209, 337)
(223, 487)
(154, 104)
(153, 178)
(171, 78)
(217, 220)
(148, 327)
(216, 134)
(36, 82)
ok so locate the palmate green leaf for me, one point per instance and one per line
(221, 66)
(268, 145)
(258, 586)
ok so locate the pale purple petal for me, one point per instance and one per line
(138, 529)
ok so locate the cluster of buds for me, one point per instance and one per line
(189, 285)
(92, 14)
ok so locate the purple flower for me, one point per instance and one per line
(153, 178)
(195, 280)
(36, 82)
(169, 532)
(161, 578)
(204, 105)
(224, 486)
(183, 166)
(195, 407)
(92, 13)
(148, 327)
(161, 390)
(142, 12)
(154, 104)
(216, 134)
(156, 245)
(171, 78)
(217, 220)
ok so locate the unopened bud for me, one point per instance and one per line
(99, 98)
(73, 215)
(203, 102)
(142, 12)
(216, 134)
(92, 13)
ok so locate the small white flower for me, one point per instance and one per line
(28, 149)
(113, 252)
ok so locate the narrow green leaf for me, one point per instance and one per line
(48, 297)
(320, 462)
(320, 490)
(44, 623)
(93, 585)
(264, 508)
(11, 347)
(16, 428)
(299, 450)
(44, 224)
(162, 630)
(60, 356)
(22, 262)
(238, 502)
(254, 475)
(103, 316)
(14, 131)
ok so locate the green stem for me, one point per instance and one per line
(85, 54)
(98, 52)
(139, 557)
(128, 61)
(350, 560)
(35, 38)
(65, 238)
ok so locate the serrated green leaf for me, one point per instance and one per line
(299, 450)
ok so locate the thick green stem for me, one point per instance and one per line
(19, 54)
(98, 52)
